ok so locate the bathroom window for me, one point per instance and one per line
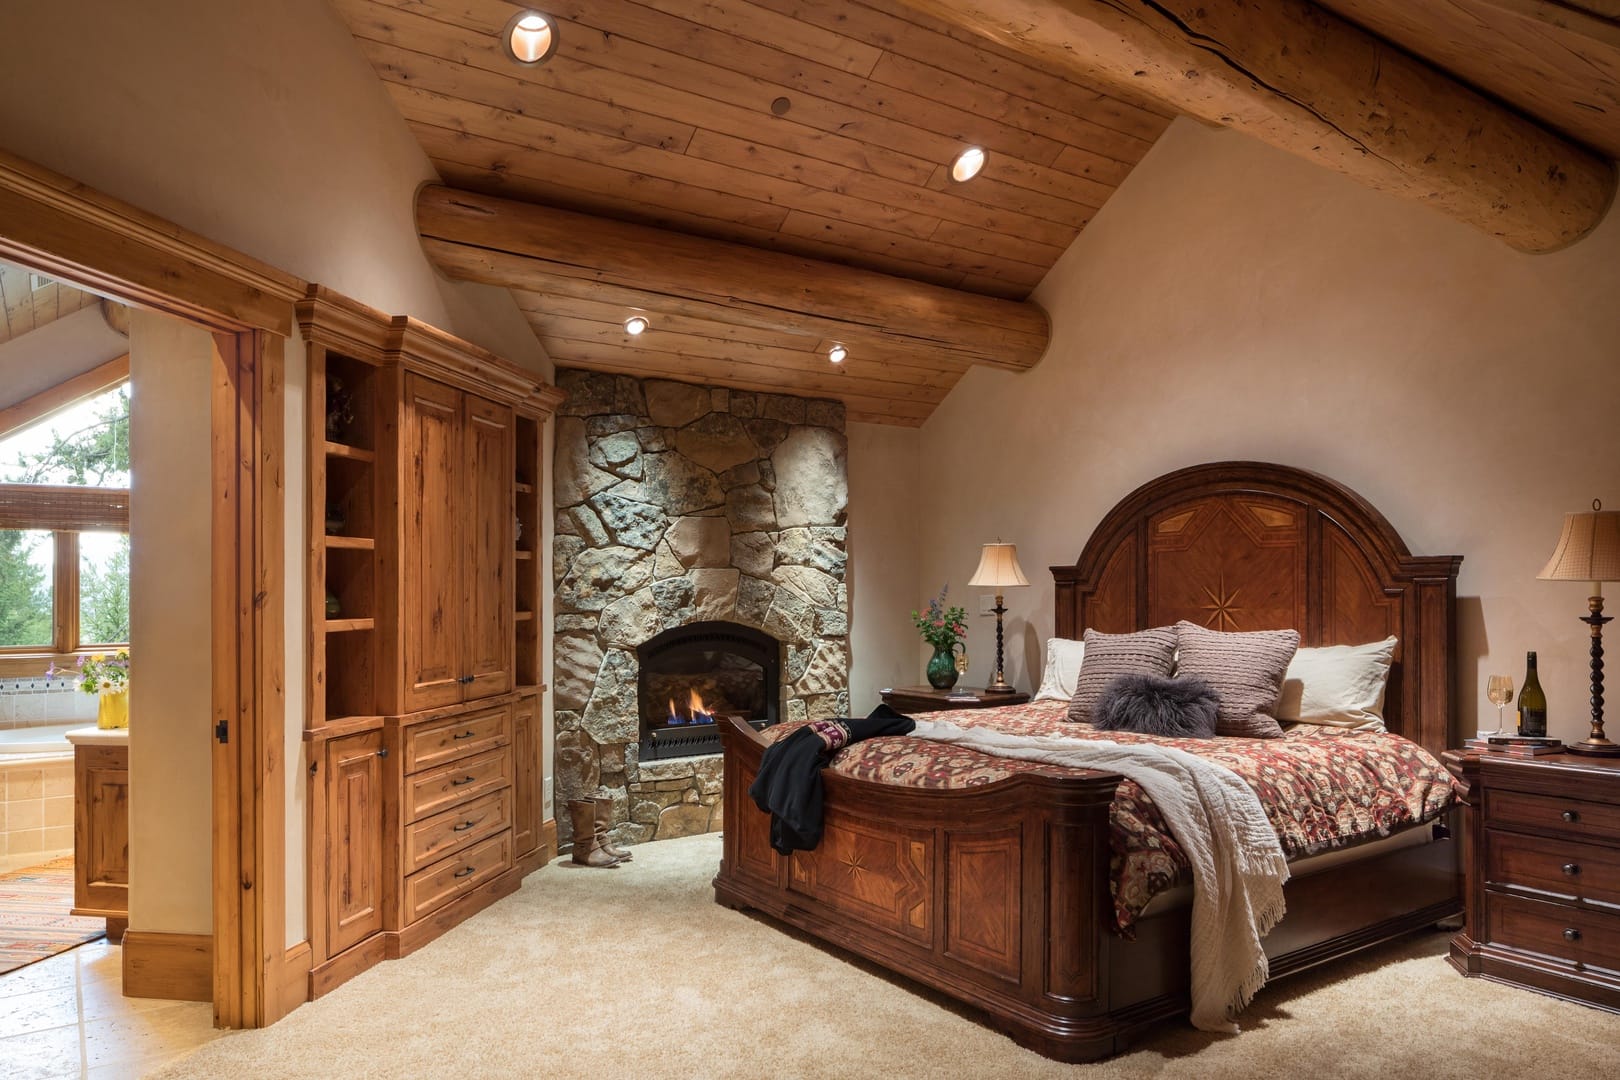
(64, 531)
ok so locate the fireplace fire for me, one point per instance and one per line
(694, 673)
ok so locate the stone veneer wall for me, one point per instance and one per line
(678, 503)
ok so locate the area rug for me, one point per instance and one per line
(637, 972)
(34, 919)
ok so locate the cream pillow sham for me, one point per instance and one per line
(1063, 657)
(1338, 686)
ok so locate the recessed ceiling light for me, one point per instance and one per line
(967, 164)
(635, 325)
(531, 38)
(837, 353)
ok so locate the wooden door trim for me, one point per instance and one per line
(58, 226)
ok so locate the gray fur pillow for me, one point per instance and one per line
(1150, 705)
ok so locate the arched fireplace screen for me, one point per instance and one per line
(690, 674)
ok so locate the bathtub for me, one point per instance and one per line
(36, 795)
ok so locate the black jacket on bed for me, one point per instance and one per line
(789, 782)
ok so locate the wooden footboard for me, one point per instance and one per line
(998, 896)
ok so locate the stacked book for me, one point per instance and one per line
(1516, 745)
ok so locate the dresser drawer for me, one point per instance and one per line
(1565, 867)
(437, 789)
(434, 743)
(459, 827)
(1551, 814)
(1570, 934)
(431, 889)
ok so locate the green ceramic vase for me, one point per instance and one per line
(942, 667)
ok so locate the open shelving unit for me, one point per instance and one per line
(529, 533)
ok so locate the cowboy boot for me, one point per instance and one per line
(587, 852)
(604, 819)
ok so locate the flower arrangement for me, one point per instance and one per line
(98, 673)
(941, 626)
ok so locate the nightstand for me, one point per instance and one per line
(920, 699)
(1543, 874)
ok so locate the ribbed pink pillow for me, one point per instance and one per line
(1246, 670)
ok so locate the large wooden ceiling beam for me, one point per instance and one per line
(524, 245)
(1306, 81)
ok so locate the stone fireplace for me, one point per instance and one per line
(700, 544)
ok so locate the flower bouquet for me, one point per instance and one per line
(108, 677)
(943, 628)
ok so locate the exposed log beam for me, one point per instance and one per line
(527, 246)
(1307, 81)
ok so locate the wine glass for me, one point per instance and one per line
(1499, 691)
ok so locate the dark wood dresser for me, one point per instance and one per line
(1543, 892)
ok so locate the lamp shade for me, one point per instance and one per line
(998, 568)
(1589, 549)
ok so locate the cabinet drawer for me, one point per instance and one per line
(1565, 867)
(434, 743)
(1552, 814)
(431, 889)
(1573, 935)
(458, 781)
(459, 827)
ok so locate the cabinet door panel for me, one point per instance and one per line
(526, 776)
(431, 554)
(487, 507)
(354, 900)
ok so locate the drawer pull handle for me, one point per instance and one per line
(1572, 869)
(463, 827)
(1571, 934)
(463, 780)
(468, 870)
(1571, 815)
(464, 735)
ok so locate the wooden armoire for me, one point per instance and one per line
(426, 752)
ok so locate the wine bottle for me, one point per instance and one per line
(1532, 703)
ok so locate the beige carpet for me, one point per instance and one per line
(636, 972)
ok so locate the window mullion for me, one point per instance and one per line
(67, 591)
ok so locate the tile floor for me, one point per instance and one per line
(67, 1017)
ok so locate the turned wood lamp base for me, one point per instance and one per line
(1596, 744)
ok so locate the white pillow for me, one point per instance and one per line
(1338, 686)
(1062, 669)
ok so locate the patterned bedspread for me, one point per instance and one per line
(1322, 788)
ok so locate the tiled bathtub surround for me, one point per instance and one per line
(33, 700)
(36, 810)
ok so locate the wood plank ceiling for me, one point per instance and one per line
(24, 308)
(1558, 62)
(812, 128)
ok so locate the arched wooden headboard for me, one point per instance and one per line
(1245, 545)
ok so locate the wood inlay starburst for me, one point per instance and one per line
(854, 863)
(1222, 606)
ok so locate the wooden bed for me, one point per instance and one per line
(999, 895)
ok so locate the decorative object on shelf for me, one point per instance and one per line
(517, 529)
(943, 628)
(339, 408)
(998, 570)
(106, 676)
(334, 606)
(335, 519)
(1589, 550)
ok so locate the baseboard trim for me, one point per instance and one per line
(178, 967)
(291, 982)
(326, 977)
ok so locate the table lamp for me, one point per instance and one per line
(1589, 550)
(998, 570)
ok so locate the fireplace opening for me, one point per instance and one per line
(691, 674)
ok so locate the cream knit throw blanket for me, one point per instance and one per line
(1237, 861)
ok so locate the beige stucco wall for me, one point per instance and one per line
(1234, 302)
(886, 531)
(170, 693)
